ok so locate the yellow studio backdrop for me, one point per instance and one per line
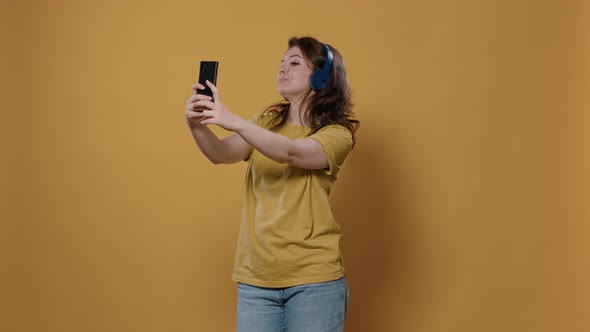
(463, 205)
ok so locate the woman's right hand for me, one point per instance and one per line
(194, 114)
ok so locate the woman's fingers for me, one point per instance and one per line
(194, 117)
(203, 104)
(195, 98)
(201, 108)
(197, 87)
(193, 113)
(195, 102)
(215, 91)
(209, 120)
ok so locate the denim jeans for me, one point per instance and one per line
(317, 307)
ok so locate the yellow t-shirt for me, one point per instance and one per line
(288, 235)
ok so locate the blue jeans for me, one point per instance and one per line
(317, 307)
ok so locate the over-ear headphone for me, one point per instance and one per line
(320, 77)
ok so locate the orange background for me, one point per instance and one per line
(463, 206)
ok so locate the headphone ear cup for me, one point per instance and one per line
(319, 78)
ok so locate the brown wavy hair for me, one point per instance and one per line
(329, 106)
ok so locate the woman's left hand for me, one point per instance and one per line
(215, 113)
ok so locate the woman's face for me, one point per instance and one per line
(294, 72)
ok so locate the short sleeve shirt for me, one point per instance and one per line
(288, 234)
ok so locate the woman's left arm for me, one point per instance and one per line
(302, 153)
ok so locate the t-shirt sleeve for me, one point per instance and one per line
(336, 141)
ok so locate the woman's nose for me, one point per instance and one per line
(282, 69)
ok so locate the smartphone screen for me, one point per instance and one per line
(208, 72)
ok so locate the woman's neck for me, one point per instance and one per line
(298, 112)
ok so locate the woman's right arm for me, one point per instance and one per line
(229, 150)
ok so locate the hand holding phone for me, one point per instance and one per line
(207, 72)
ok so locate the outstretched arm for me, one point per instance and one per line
(303, 153)
(228, 150)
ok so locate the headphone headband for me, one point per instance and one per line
(329, 58)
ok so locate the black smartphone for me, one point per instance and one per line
(208, 72)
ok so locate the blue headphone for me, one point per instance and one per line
(320, 77)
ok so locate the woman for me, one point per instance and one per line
(288, 264)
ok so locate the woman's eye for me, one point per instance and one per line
(294, 63)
